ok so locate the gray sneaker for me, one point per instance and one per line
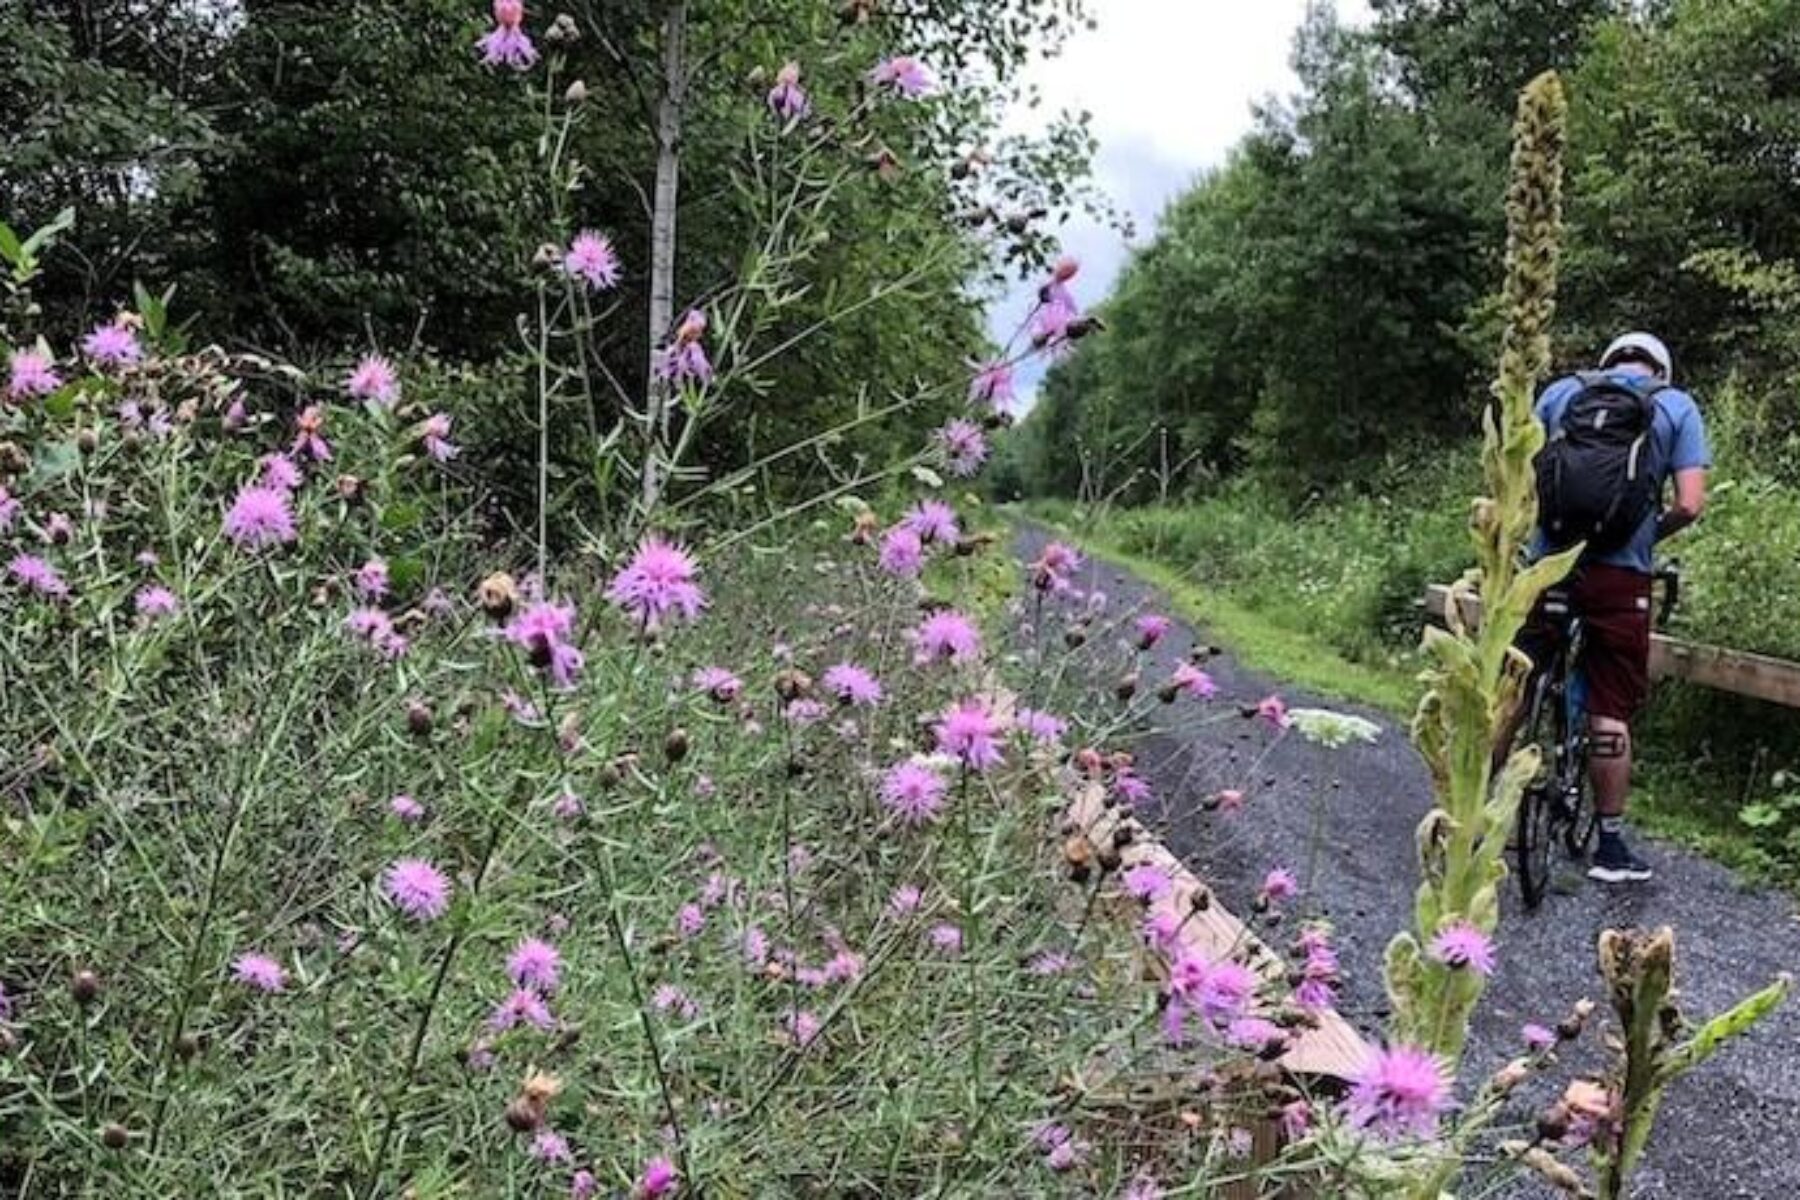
(1615, 863)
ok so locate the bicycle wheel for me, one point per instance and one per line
(1583, 819)
(1540, 818)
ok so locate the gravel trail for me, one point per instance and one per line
(1729, 1131)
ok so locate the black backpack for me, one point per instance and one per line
(1597, 478)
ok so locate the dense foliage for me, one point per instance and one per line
(1328, 295)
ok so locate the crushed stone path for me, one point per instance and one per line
(1730, 1131)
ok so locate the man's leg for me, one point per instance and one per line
(1616, 664)
(1609, 770)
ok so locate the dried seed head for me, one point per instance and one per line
(351, 489)
(1167, 693)
(1074, 636)
(792, 684)
(575, 93)
(676, 745)
(115, 1136)
(523, 1116)
(498, 595)
(418, 718)
(1553, 1123)
(1127, 687)
(13, 461)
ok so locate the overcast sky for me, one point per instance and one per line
(1170, 84)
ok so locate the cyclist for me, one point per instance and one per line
(1619, 437)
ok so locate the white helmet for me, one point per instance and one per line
(1644, 347)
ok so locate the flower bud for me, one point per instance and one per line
(13, 461)
(1074, 636)
(1127, 687)
(498, 594)
(575, 93)
(418, 718)
(1553, 1123)
(115, 1136)
(1078, 856)
(84, 986)
(351, 489)
(563, 31)
(676, 745)
(87, 440)
(522, 1116)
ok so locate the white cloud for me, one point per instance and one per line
(1170, 84)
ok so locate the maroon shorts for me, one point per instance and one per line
(1614, 606)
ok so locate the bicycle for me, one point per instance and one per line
(1558, 804)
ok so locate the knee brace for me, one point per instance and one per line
(1608, 744)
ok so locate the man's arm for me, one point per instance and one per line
(1690, 502)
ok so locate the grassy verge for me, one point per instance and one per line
(1263, 644)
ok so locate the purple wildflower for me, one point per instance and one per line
(1461, 945)
(685, 361)
(9, 510)
(33, 374)
(1151, 629)
(1190, 680)
(933, 521)
(1147, 882)
(658, 583)
(309, 435)
(1538, 1038)
(406, 808)
(535, 964)
(542, 630)
(1041, 727)
(278, 471)
(550, 1146)
(669, 998)
(417, 888)
(913, 792)
(902, 554)
(1401, 1092)
(155, 601)
(905, 75)
(259, 518)
(259, 971)
(522, 1007)
(592, 259)
(434, 434)
(969, 732)
(906, 900)
(946, 937)
(787, 99)
(507, 44)
(374, 381)
(659, 1178)
(853, 685)
(1280, 884)
(1273, 709)
(690, 920)
(946, 636)
(112, 345)
(964, 446)
(718, 683)
(992, 386)
(371, 579)
(38, 575)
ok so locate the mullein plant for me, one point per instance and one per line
(1476, 677)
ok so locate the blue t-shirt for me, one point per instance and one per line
(1679, 435)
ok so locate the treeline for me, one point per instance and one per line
(319, 178)
(1327, 298)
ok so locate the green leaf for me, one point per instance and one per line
(1722, 1028)
(48, 233)
(10, 246)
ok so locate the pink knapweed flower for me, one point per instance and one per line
(669, 998)
(567, 806)
(970, 733)
(964, 445)
(787, 99)
(377, 628)
(550, 1146)
(1151, 629)
(1147, 882)
(406, 808)
(690, 920)
(1160, 929)
(1255, 1033)
(755, 945)
(535, 964)
(260, 518)
(259, 971)
(507, 45)
(309, 435)
(1296, 1120)
(155, 601)
(1054, 566)
(434, 435)
(913, 792)
(1050, 962)
(1401, 1092)
(933, 521)
(38, 575)
(1143, 1186)
(684, 360)
(59, 530)
(1130, 788)
(1190, 680)
(278, 471)
(946, 937)
(803, 712)
(992, 386)
(1462, 945)
(417, 888)
(904, 74)
(374, 381)
(371, 579)
(9, 510)
(583, 1185)
(946, 636)
(658, 584)
(542, 630)
(852, 684)
(718, 683)
(659, 1178)
(1538, 1038)
(112, 345)
(32, 374)
(1056, 309)
(1229, 800)
(905, 900)
(237, 415)
(902, 554)
(1280, 884)
(522, 1007)
(592, 259)
(1041, 727)
(1273, 709)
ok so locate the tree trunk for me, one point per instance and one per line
(662, 243)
